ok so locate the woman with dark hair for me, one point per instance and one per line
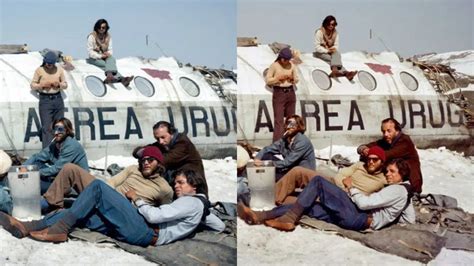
(294, 146)
(113, 215)
(63, 149)
(49, 80)
(282, 77)
(327, 48)
(100, 50)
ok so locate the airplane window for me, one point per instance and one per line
(144, 86)
(409, 80)
(367, 80)
(95, 86)
(189, 86)
(321, 79)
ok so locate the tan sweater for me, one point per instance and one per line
(276, 71)
(43, 81)
(361, 179)
(154, 191)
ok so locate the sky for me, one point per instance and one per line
(200, 32)
(408, 27)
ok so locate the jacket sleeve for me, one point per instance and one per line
(274, 148)
(301, 147)
(66, 155)
(401, 149)
(214, 223)
(90, 48)
(386, 197)
(119, 178)
(168, 212)
(43, 156)
(318, 42)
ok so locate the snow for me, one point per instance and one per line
(444, 172)
(462, 61)
(220, 174)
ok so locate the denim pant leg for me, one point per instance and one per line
(278, 102)
(335, 202)
(6, 203)
(279, 211)
(45, 183)
(337, 61)
(46, 112)
(100, 206)
(107, 65)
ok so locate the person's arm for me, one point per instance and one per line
(271, 77)
(110, 48)
(300, 148)
(43, 156)
(363, 149)
(178, 209)
(274, 148)
(67, 154)
(213, 222)
(386, 197)
(119, 178)
(90, 48)
(177, 154)
(319, 41)
(343, 173)
(62, 79)
(36, 81)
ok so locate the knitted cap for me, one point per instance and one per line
(50, 58)
(285, 53)
(379, 152)
(152, 151)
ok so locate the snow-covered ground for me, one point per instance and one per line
(220, 175)
(444, 172)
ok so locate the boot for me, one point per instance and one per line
(46, 235)
(288, 221)
(109, 78)
(13, 226)
(249, 216)
(126, 81)
(350, 75)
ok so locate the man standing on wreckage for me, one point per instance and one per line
(325, 201)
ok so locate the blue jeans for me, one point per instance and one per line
(334, 205)
(107, 65)
(51, 107)
(6, 203)
(100, 208)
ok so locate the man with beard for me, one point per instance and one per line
(295, 148)
(367, 177)
(178, 151)
(396, 144)
(146, 179)
(62, 150)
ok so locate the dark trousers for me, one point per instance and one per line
(284, 103)
(333, 205)
(100, 208)
(51, 107)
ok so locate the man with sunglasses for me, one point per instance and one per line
(146, 179)
(366, 176)
(63, 149)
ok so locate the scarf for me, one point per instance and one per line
(329, 39)
(101, 43)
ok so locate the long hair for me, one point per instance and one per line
(193, 179)
(300, 125)
(99, 23)
(327, 20)
(67, 126)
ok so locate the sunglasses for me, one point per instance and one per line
(59, 129)
(103, 28)
(370, 159)
(147, 159)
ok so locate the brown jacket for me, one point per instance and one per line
(402, 147)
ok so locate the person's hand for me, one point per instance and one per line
(257, 162)
(55, 84)
(282, 78)
(347, 181)
(131, 195)
(332, 50)
(105, 55)
(365, 152)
